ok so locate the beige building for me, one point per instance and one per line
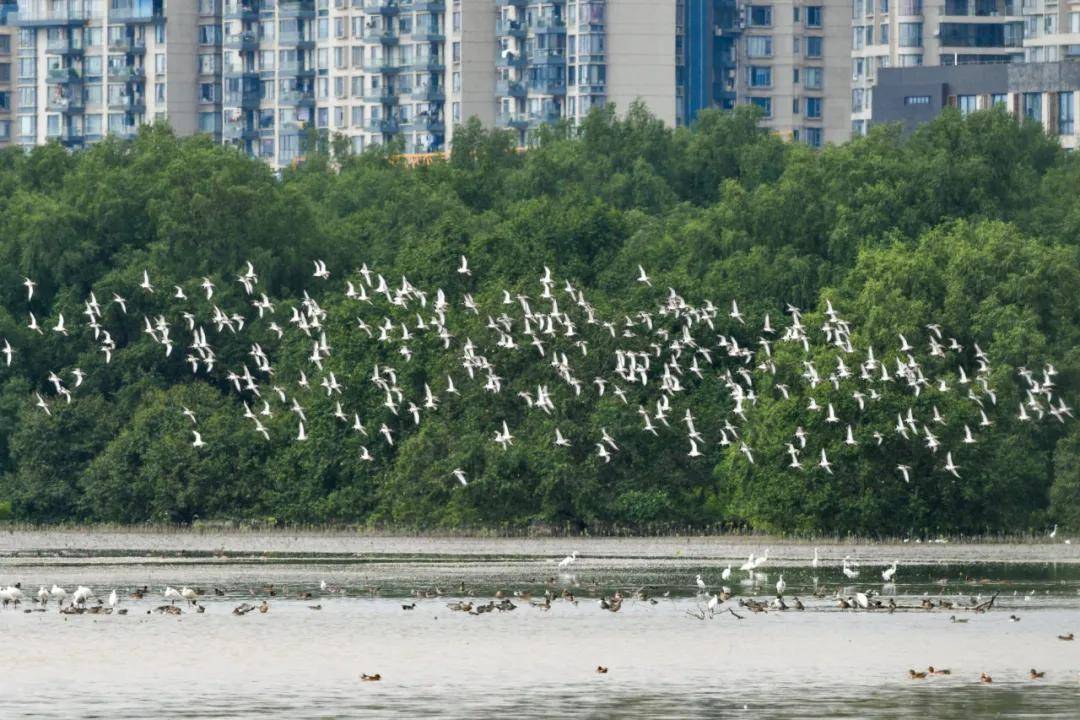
(7, 94)
(913, 33)
(1051, 30)
(794, 64)
(560, 59)
(85, 68)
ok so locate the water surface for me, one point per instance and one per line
(663, 660)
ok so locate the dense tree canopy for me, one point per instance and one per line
(971, 223)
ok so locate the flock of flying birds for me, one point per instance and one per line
(650, 358)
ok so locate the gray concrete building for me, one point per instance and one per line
(916, 33)
(1046, 92)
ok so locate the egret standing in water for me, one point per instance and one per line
(781, 586)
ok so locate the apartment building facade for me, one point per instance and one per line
(1048, 93)
(87, 68)
(7, 96)
(914, 33)
(790, 59)
(262, 75)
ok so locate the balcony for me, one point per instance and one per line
(547, 116)
(520, 4)
(241, 133)
(130, 45)
(429, 6)
(69, 139)
(62, 47)
(249, 100)
(389, 67)
(386, 126)
(548, 86)
(511, 28)
(510, 59)
(138, 11)
(510, 88)
(429, 64)
(429, 93)
(388, 97)
(517, 121)
(382, 7)
(428, 32)
(548, 57)
(68, 105)
(432, 125)
(296, 9)
(43, 15)
(549, 26)
(235, 10)
(62, 76)
(381, 35)
(298, 98)
(128, 103)
(247, 73)
(127, 73)
(244, 42)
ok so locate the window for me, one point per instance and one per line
(209, 34)
(813, 47)
(967, 104)
(813, 16)
(1033, 106)
(813, 78)
(759, 77)
(760, 15)
(208, 122)
(857, 99)
(813, 107)
(911, 7)
(999, 99)
(795, 106)
(883, 34)
(757, 46)
(764, 103)
(159, 63)
(1074, 22)
(884, 7)
(910, 34)
(1066, 114)
(813, 137)
(917, 100)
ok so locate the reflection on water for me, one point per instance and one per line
(301, 662)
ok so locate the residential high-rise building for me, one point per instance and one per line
(789, 59)
(559, 59)
(1048, 93)
(7, 97)
(707, 47)
(269, 76)
(1051, 30)
(85, 68)
(905, 33)
(795, 68)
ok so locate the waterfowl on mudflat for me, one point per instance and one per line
(371, 678)
(1036, 675)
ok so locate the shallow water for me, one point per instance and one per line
(663, 662)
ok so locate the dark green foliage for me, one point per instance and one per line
(972, 222)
